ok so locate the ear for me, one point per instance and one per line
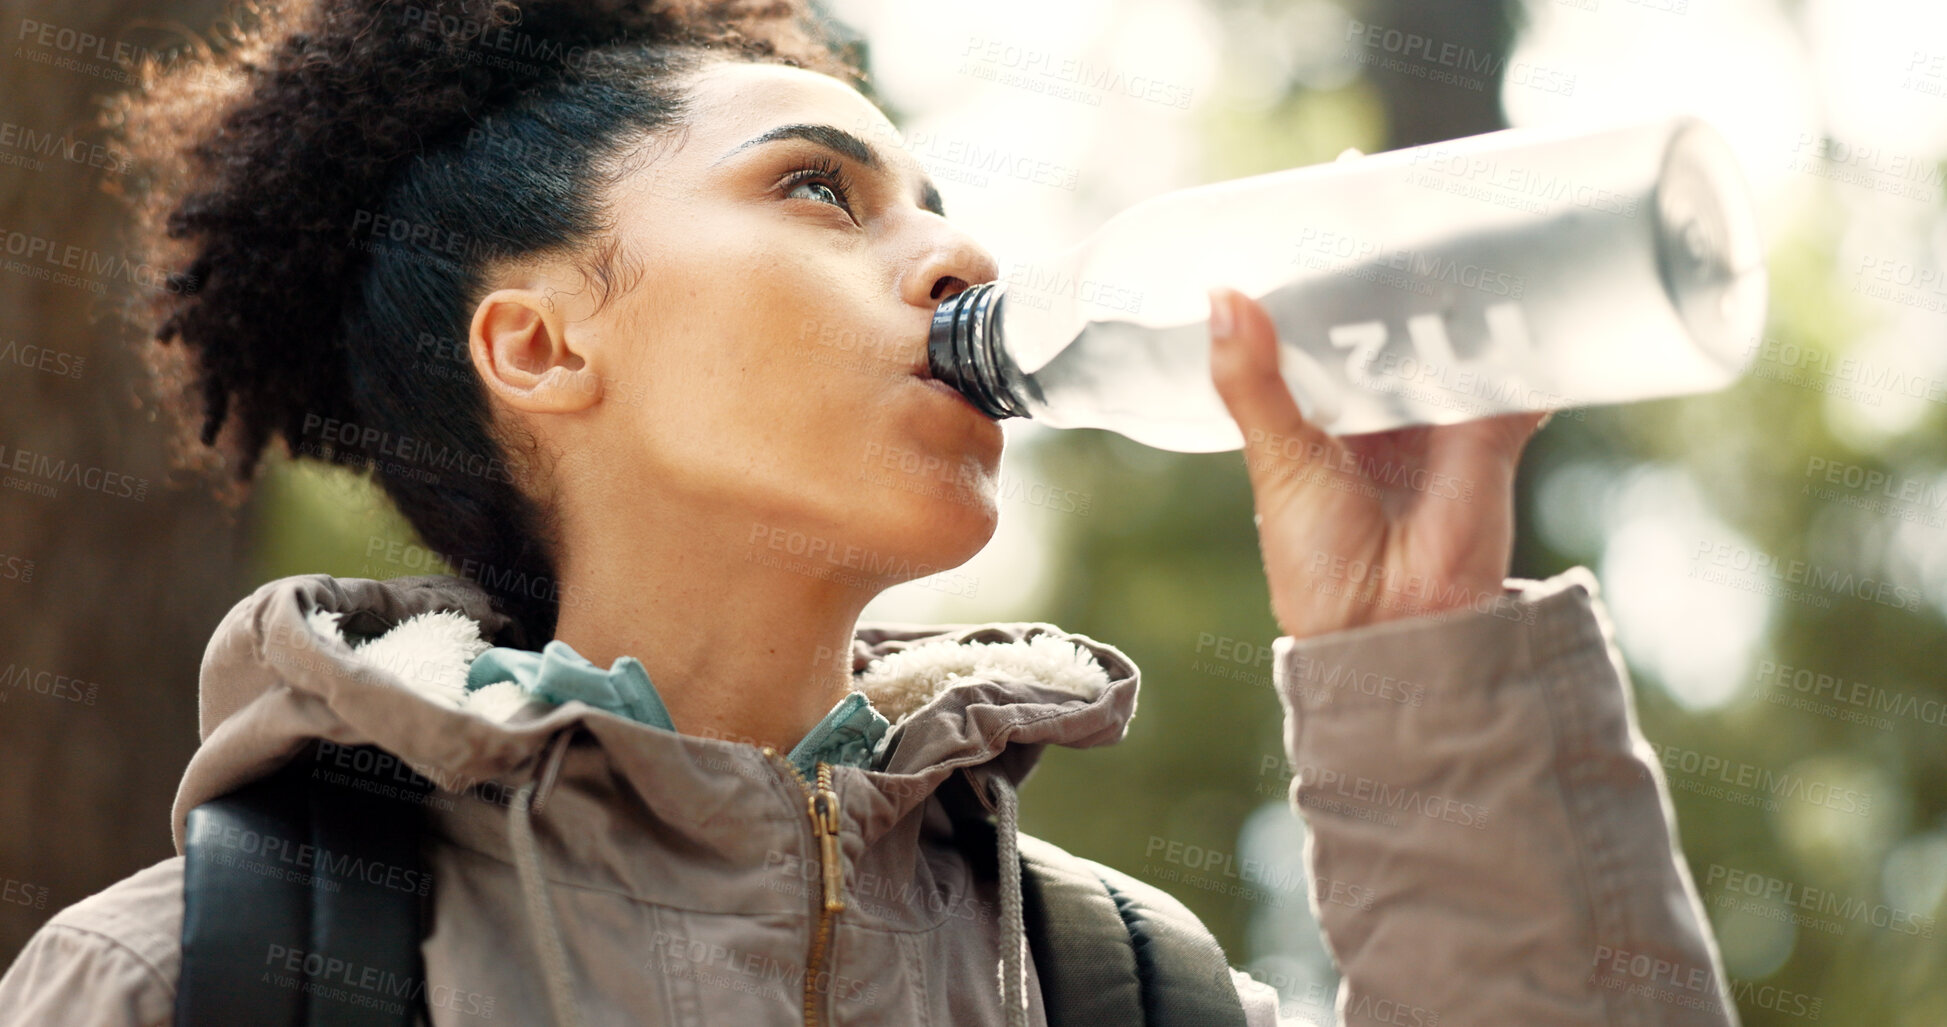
(520, 347)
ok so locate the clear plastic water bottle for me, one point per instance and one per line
(1527, 269)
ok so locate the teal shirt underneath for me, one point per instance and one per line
(849, 735)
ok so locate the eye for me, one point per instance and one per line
(822, 182)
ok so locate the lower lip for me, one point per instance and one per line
(940, 386)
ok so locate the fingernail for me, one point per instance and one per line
(1220, 315)
(1545, 418)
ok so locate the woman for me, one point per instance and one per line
(559, 275)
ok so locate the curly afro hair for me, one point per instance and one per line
(327, 184)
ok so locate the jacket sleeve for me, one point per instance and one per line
(1491, 840)
(110, 960)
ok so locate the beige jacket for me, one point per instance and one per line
(1490, 841)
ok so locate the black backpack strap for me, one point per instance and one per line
(1098, 934)
(1107, 948)
(304, 897)
(1083, 952)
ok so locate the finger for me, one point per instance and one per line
(1484, 452)
(1244, 368)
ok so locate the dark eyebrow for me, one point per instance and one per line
(841, 142)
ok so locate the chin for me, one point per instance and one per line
(943, 532)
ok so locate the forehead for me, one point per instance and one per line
(734, 101)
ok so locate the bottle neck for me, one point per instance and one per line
(964, 350)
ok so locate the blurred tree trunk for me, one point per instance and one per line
(108, 591)
(1423, 110)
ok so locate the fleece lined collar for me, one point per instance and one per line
(316, 657)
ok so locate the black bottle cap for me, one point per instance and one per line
(963, 350)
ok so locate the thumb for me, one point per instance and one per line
(1244, 368)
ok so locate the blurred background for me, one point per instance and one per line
(1039, 121)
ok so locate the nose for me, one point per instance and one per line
(952, 262)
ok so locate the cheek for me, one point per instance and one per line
(768, 431)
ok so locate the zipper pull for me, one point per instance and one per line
(823, 806)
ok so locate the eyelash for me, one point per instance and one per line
(831, 172)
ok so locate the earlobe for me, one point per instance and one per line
(520, 348)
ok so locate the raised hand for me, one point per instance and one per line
(1364, 528)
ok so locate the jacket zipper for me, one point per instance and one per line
(821, 804)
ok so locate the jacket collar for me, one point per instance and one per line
(848, 735)
(274, 679)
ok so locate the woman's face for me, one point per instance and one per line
(762, 362)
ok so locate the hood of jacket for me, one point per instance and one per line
(277, 675)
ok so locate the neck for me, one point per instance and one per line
(736, 648)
